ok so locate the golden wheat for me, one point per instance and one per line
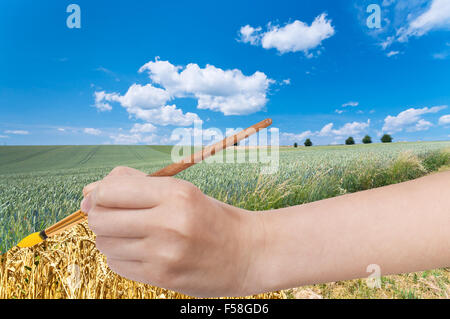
(70, 266)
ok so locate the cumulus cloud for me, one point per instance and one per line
(421, 125)
(100, 101)
(146, 97)
(17, 132)
(353, 128)
(292, 37)
(326, 130)
(437, 16)
(444, 120)
(410, 120)
(248, 34)
(92, 131)
(227, 91)
(165, 115)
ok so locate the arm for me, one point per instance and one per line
(165, 232)
(402, 228)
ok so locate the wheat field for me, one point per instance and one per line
(41, 185)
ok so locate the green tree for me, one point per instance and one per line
(308, 142)
(386, 138)
(367, 139)
(295, 145)
(349, 141)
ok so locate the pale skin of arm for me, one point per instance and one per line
(166, 232)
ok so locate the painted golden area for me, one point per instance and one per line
(69, 266)
(30, 241)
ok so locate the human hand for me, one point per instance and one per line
(165, 232)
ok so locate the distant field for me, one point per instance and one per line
(39, 185)
(25, 159)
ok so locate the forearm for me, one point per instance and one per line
(401, 228)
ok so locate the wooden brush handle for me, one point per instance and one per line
(170, 170)
(175, 168)
(66, 223)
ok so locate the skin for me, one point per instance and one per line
(165, 232)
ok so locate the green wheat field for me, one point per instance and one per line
(40, 185)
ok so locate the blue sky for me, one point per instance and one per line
(136, 70)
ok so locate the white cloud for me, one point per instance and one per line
(326, 130)
(339, 111)
(351, 103)
(4, 136)
(17, 132)
(165, 115)
(61, 129)
(444, 120)
(421, 125)
(92, 131)
(286, 82)
(249, 34)
(392, 53)
(386, 43)
(293, 37)
(409, 119)
(354, 128)
(146, 97)
(227, 91)
(436, 17)
(100, 98)
(143, 128)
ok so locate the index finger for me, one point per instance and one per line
(117, 171)
(133, 191)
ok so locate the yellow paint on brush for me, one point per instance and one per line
(30, 240)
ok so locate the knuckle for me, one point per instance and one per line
(176, 254)
(94, 223)
(119, 170)
(186, 191)
(100, 193)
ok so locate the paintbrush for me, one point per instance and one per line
(170, 170)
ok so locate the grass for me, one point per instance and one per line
(39, 185)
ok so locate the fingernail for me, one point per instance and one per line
(86, 204)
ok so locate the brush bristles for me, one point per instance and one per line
(30, 241)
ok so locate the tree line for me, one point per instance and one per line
(386, 138)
